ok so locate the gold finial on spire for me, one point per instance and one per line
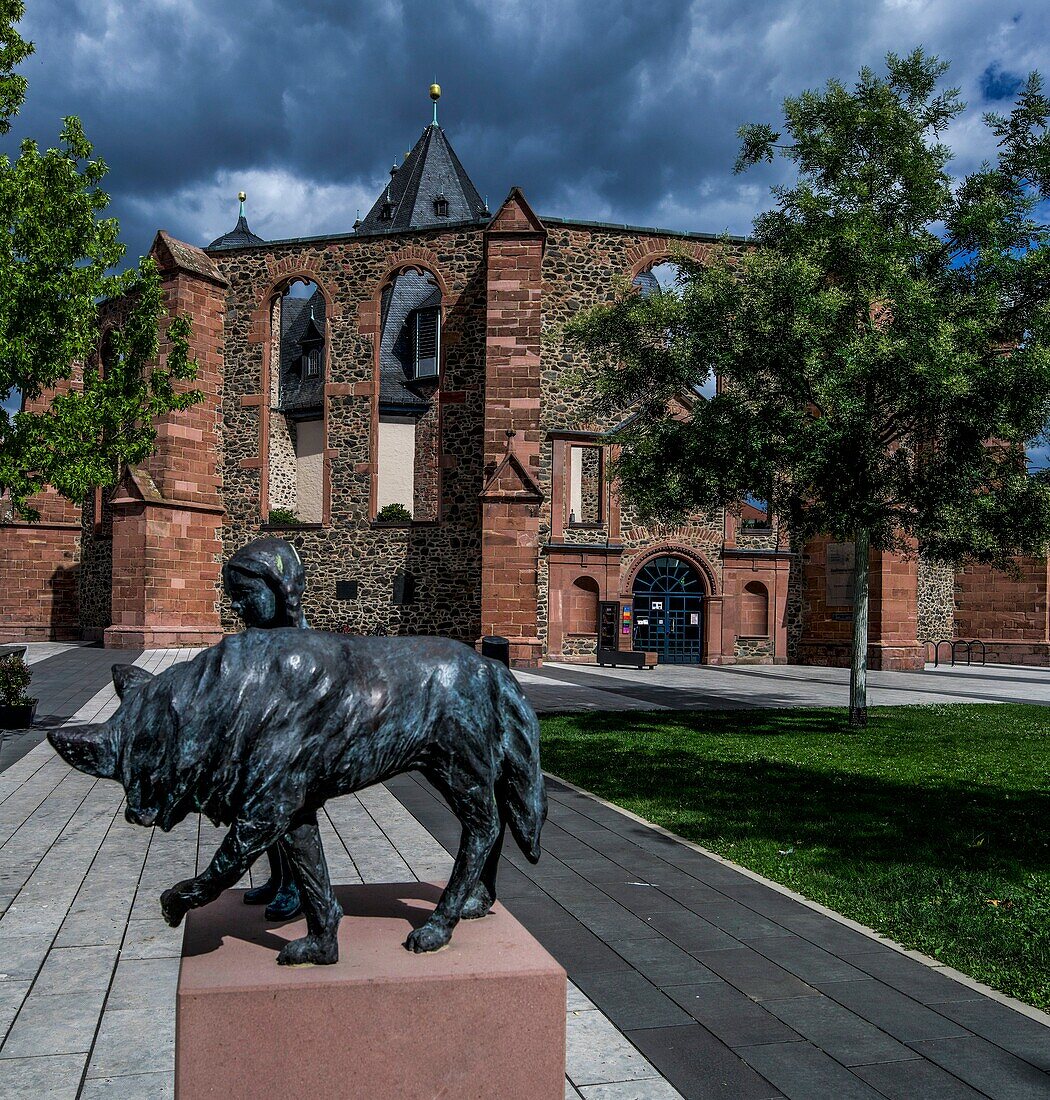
(241, 197)
(435, 95)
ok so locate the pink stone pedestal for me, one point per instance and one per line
(483, 1017)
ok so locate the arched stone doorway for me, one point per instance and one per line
(668, 610)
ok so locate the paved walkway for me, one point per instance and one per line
(710, 687)
(66, 676)
(689, 977)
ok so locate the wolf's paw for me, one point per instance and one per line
(478, 904)
(173, 906)
(432, 935)
(320, 950)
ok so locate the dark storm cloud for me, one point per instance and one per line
(616, 111)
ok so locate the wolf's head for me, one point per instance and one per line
(136, 747)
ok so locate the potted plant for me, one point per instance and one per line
(17, 709)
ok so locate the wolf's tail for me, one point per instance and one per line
(521, 790)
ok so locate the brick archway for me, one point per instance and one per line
(696, 558)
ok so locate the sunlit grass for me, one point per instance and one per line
(932, 826)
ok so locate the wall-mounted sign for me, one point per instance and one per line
(842, 616)
(657, 605)
(346, 590)
(643, 620)
(839, 574)
(625, 619)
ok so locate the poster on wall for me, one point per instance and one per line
(839, 574)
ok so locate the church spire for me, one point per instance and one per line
(430, 188)
(240, 236)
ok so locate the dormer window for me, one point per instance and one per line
(386, 212)
(310, 363)
(426, 342)
(441, 207)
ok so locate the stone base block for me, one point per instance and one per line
(483, 1017)
(160, 637)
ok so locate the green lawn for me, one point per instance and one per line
(933, 826)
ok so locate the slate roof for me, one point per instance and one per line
(296, 392)
(431, 171)
(238, 237)
(411, 290)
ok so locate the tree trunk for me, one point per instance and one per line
(858, 672)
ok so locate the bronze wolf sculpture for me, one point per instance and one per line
(260, 730)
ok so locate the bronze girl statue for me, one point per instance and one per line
(265, 581)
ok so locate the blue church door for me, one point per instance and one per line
(668, 611)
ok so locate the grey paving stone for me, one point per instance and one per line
(923, 983)
(692, 933)
(151, 939)
(576, 1000)
(610, 921)
(130, 1043)
(988, 1068)
(578, 950)
(802, 1072)
(56, 1078)
(596, 1053)
(138, 1086)
(62, 1024)
(663, 962)
(1000, 1024)
(699, 1066)
(12, 994)
(143, 985)
(902, 1017)
(829, 933)
(807, 961)
(731, 1016)
(729, 915)
(632, 1090)
(75, 970)
(915, 1080)
(839, 1032)
(570, 1091)
(630, 1001)
(756, 975)
(21, 956)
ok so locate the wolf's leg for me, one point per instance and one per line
(245, 841)
(476, 810)
(302, 846)
(484, 894)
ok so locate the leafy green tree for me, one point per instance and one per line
(57, 261)
(882, 351)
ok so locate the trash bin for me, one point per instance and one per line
(492, 645)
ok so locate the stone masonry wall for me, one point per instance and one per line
(936, 601)
(443, 557)
(585, 266)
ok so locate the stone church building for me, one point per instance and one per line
(395, 400)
